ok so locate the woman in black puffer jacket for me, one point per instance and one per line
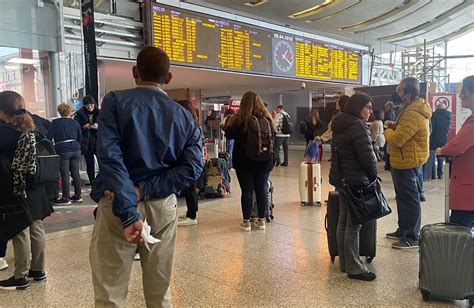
(352, 148)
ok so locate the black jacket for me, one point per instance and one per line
(42, 125)
(440, 121)
(313, 130)
(240, 161)
(89, 136)
(352, 143)
(37, 199)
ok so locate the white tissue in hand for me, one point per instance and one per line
(147, 237)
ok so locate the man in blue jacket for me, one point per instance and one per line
(149, 148)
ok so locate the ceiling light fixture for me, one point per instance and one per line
(255, 3)
(311, 11)
(11, 67)
(406, 4)
(335, 13)
(22, 61)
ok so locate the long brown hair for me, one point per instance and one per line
(251, 105)
(13, 105)
(189, 107)
(314, 116)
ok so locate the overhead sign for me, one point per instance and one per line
(199, 40)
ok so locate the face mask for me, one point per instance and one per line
(396, 98)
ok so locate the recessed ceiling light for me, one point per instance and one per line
(255, 3)
(311, 11)
(22, 61)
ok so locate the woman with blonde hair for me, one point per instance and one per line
(67, 136)
(252, 129)
(18, 165)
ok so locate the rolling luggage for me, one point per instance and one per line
(368, 233)
(447, 258)
(310, 184)
(270, 205)
(217, 182)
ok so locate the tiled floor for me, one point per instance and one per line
(217, 265)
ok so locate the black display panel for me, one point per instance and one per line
(199, 40)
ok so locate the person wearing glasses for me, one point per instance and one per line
(461, 150)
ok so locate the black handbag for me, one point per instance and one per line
(14, 218)
(364, 203)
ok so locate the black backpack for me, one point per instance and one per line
(47, 165)
(303, 127)
(259, 139)
(287, 127)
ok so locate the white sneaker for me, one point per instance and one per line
(245, 226)
(259, 224)
(137, 257)
(3, 264)
(187, 221)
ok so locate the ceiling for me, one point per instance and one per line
(387, 25)
(118, 75)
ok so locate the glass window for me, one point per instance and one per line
(23, 71)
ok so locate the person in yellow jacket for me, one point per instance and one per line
(409, 150)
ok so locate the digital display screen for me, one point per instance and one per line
(199, 40)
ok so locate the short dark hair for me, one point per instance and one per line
(468, 84)
(356, 103)
(342, 101)
(86, 100)
(153, 64)
(280, 107)
(412, 87)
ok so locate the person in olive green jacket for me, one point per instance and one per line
(409, 150)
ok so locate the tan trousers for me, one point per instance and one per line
(28, 243)
(111, 256)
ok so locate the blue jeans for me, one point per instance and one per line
(419, 182)
(408, 201)
(3, 249)
(436, 168)
(229, 145)
(279, 141)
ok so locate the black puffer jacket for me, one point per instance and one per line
(351, 141)
(440, 121)
(89, 136)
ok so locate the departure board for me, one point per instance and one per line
(199, 40)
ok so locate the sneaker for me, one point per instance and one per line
(3, 264)
(76, 199)
(13, 284)
(285, 164)
(187, 222)
(369, 276)
(245, 226)
(259, 224)
(137, 257)
(62, 201)
(397, 235)
(405, 244)
(36, 275)
(277, 164)
(422, 198)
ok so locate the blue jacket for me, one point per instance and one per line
(63, 129)
(144, 139)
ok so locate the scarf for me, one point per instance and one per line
(24, 163)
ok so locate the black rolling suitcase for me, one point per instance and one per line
(447, 259)
(368, 233)
(270, 205)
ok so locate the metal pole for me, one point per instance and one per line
(55, 81)
(424, 60)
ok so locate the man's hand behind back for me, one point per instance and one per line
(133, 232)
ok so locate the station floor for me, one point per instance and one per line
(217, 265)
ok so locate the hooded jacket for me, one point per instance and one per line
(352, 147)
(409, 147)
(440, 122)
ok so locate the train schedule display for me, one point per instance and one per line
(199, 40)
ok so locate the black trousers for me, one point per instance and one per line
(90, 164)
(250, 181)
(191, 201)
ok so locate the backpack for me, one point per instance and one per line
(287, 127)
(47, 165)
(259, 145)
(303, 127)
(216, 180)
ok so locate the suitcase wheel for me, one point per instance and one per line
(426, 295)
(370, 259)
(333, 258)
